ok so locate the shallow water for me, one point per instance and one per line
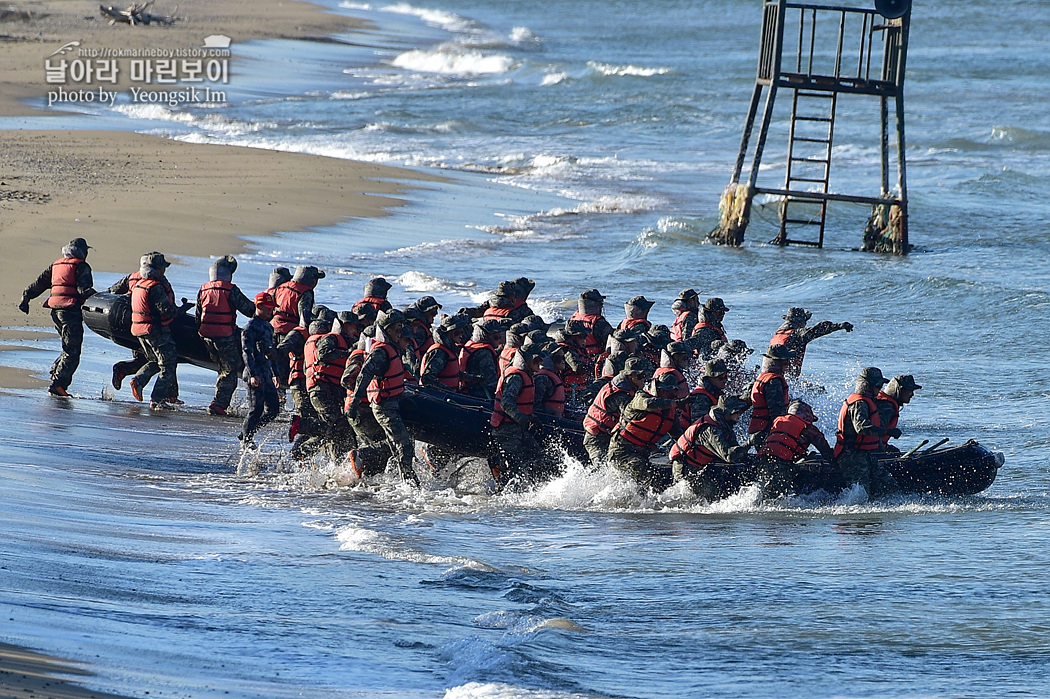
(586, 145)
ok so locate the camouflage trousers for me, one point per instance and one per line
(70, 326)
(130, 367)
(162, 362)
(374, 452)
(862, 468)
(632, 460)
(597, 446)
(335, 432)
(226, 353)
(775, 475)
(396, 442)
(309, 422)
(515, 454)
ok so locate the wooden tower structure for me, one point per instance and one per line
(817, 53)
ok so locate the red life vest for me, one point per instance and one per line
(317, 371)
(686, 450)
(218, 319)
(465, 354)
(760, 417)
(678, 327)
(296, 368)
(556, 401)
(648, 429)
(526, 399)
(449, 376)
(590, 345)
(896, 414)
(781, 338)
(861, 442)
(599, 365)
(373, 301)
(599, 419)
(392, 383)
(714, 326)
(572, 378)
(628, 323)
(64, 284)
(785, 440)
(286, 315)
(506, 358)
(683, 385)
(499, 313)
(143, 321)
(354, 354)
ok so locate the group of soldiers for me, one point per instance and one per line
(346, 373)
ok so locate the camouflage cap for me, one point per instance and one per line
(413, 313)
(716, 367)
(666, 382)
(229, 262)
(778, 352)
(575, 327)
(688, 294)
(797, 316)
(492, 326)
(519, 329)
(715, 304)
(906, 382)
(624, 334)
(427, 304)
(678, 348)
(458, 321)
(872, 376)
(324, 313)
(349, 318)
(636, 365)
(535, 322)
(388, 318)
(155, 260)
(732, 404)
(80, 244)
(592, 295)
(525, 285)
(640, 302)
(530, 352)
(508, 289)
(802, 409)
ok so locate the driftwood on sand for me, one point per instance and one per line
(138, 13)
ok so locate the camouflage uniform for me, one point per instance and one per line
(69, 322)
(328, 398)
(159, 345)
(597, 445)
(515, 451)
(720, 440)
(226, 352)
(860, 466)
(630, 458)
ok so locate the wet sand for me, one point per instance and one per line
(24, 673)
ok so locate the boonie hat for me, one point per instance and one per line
(592, 295)
(906, 382)
(732, 404)
(715, 304)
(872, 376)
(715, 367)
(780, 352)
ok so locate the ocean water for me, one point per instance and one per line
(584, 144)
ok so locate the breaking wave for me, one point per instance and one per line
(450, 59)
(627, 70)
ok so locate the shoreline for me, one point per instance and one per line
(128, 193)
(24, 672)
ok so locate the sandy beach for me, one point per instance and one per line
(24, 673)
(128, 193)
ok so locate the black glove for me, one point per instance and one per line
(893, 432)
(24, 306)
(525, 422)
(351, 412)
(848, 327)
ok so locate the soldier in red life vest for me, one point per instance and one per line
(305, 421)
(382, 379)
(416, 334)
(621, 345)
(152, 310)
(686, 315)
(218, 302)
(376, 291)
(590, 307)
(706, 394)
(550, 387)
(69, 279)
(295, 308)
(429, 307)
(514, 448)
(605, 411)
(523, 286)
(647, 419)
(709, 440)
(324, 358)
(769, 393)
(710, 328)
(478, 360)
(579, 369)
(259, 369)
(859, 437)
(675, 361)
(441, 362)
(898, 392)
(637, 314)
(789, 441)
(794, 335)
